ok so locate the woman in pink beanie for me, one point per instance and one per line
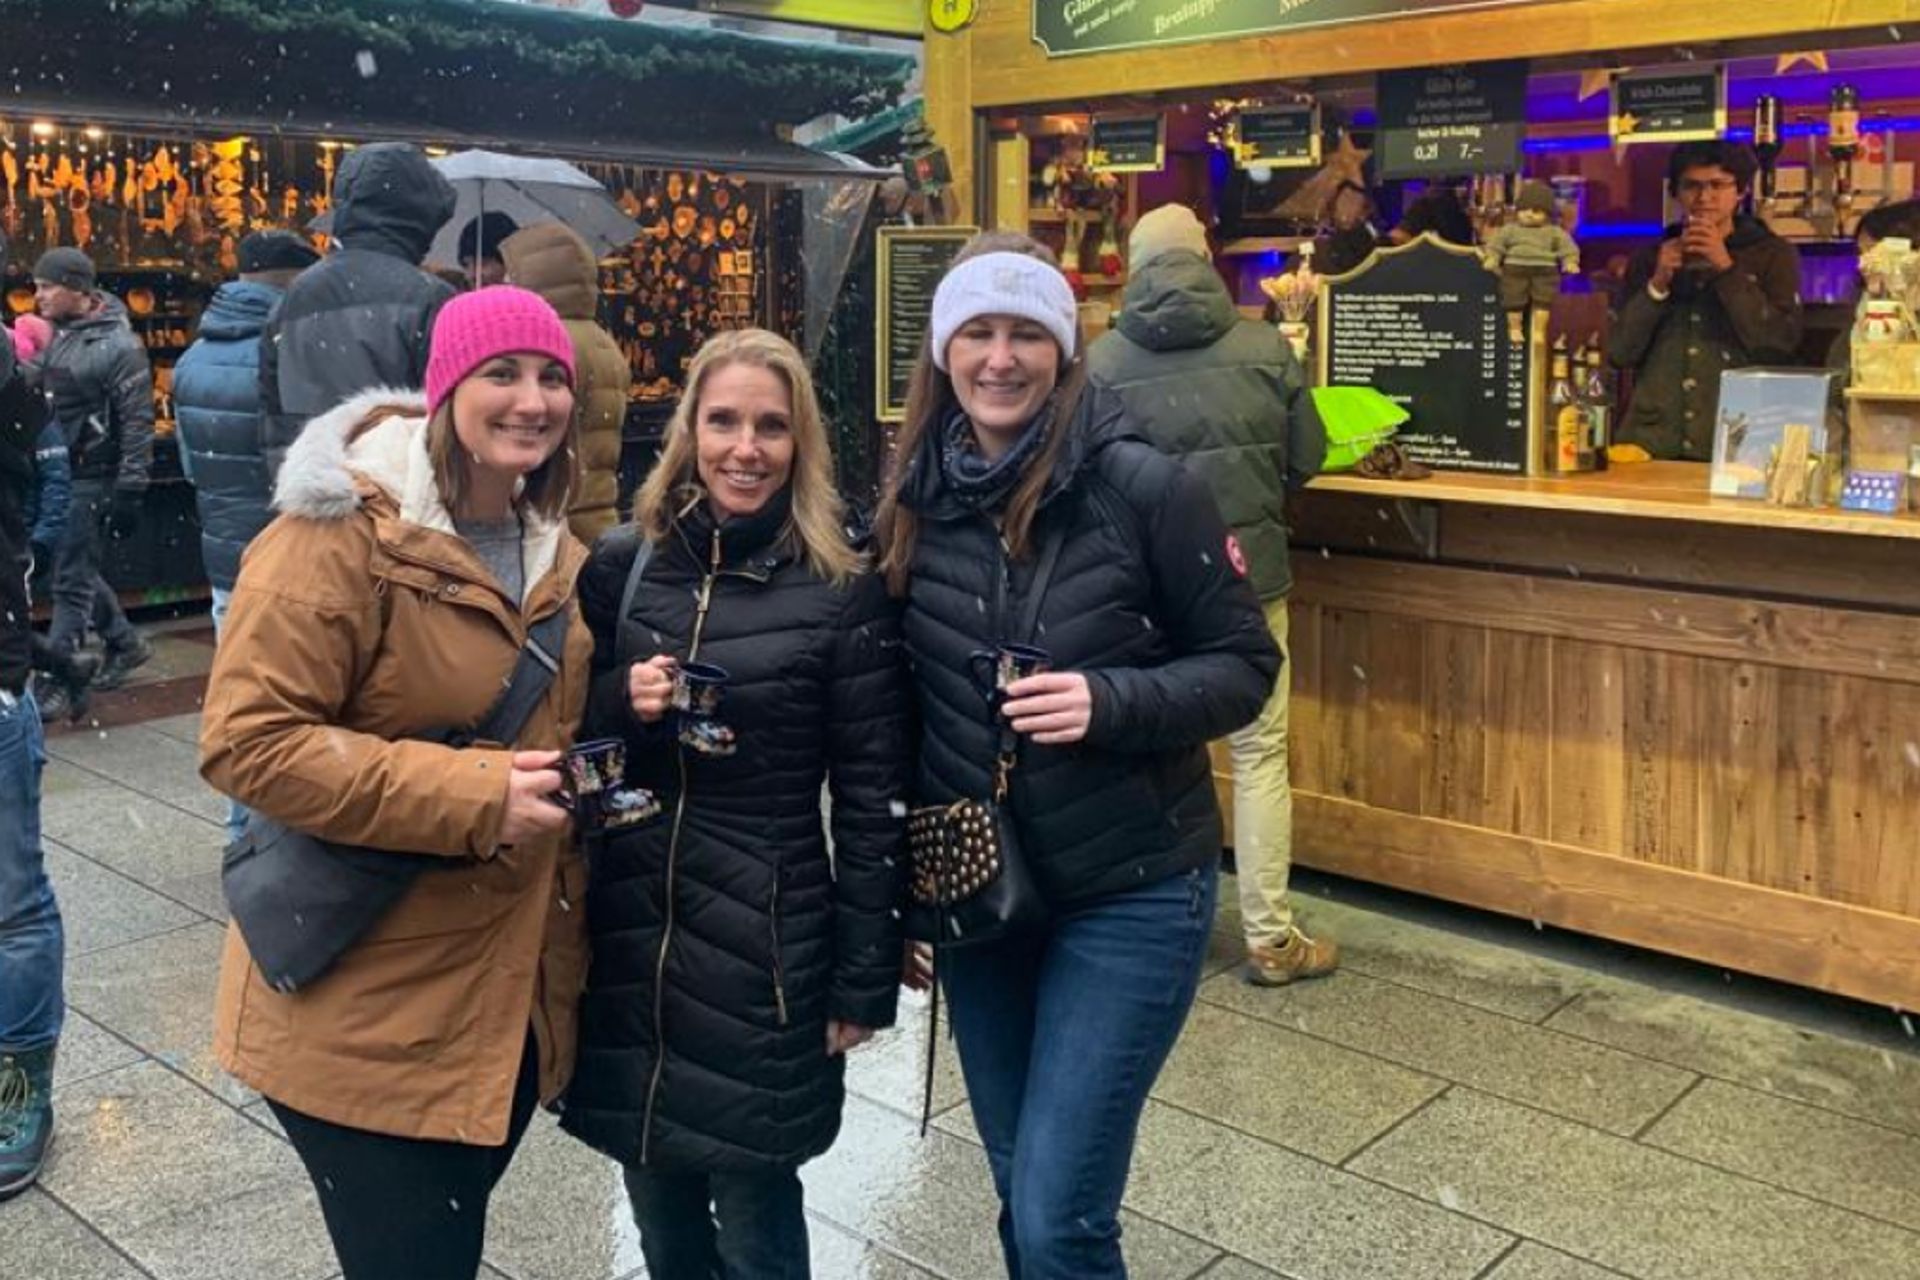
(422, 542)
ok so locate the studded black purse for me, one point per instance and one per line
(967, 882)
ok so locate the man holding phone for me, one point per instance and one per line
(1719, 291)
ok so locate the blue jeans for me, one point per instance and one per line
(236, 812)
(1061, 1035)
(723, 1226)
(32, 943)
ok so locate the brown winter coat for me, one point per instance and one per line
(551, 260)
(359, 618)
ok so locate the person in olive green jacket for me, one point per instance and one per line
(1225, 395)
(1719, 292)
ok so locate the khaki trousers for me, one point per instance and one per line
(1263, 805)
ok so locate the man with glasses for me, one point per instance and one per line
(1719, 291)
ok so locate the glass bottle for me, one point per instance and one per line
(1598, 396)
(1569, 430)
(1843, 140)
(1766, 142)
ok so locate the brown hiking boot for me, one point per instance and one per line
(1298, 957)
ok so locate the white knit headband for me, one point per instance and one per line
(1003, 284)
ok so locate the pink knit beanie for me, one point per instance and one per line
(475, 327)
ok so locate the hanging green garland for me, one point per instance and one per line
(785, 77)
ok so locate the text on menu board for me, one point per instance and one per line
(1448, 121)
(1127, 144)
(1681, 105)
(1066, 27)
(911, 262)
(1422, 325)
(1279, 137)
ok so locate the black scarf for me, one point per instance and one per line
(980, 483)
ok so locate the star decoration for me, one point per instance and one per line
(1626, 124)
(1788, 61)
(1598, 80)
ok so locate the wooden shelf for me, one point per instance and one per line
(1649, 490)
(1262, 244)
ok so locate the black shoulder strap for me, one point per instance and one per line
(533, 673)
(1042, 575)
(641, 554)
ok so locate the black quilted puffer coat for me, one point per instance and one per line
(724, 937)
(1149, 599)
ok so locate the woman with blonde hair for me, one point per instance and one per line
(421, 548)
(734, 962)
(1025, 511)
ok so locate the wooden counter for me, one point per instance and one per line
(1620, 706)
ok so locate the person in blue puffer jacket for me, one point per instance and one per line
(217, 404)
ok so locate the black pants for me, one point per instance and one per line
(720, 1226)
(81, 597)
(407, 1208)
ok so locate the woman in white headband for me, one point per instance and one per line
(1025, 513)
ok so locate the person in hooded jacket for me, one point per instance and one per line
(359, 319)
(734, 961)
(419, 540)
(1009, 460)
(554, 262)
(1225, 395)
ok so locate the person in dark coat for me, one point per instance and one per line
(1719, 291)
(734, 961)
(216, 400)
(1157, 646)
(97, 375)
(359, 319)
(1225, 395)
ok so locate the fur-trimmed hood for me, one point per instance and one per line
(331, 472)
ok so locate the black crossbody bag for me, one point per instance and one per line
(301, 901)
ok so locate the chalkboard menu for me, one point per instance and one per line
(1127, 144)
(1669, 106)
(1448, 121)
(911, 262)
(1283, 137)
(1422, 324)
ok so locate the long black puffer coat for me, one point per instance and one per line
(1149, 599)
(723, 936)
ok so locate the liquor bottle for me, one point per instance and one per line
(1843, 141)
(1598, 396)
(1570, 429)
(1766, 143)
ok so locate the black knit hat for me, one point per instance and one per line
(481, 237)
(275, 251)
(66, 267)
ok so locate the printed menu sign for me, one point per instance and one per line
(1066, 27)
(1127, 144)
(1669, 106)
(1422, 324)
(1448, 121)
(1283, 137)
(911, 262)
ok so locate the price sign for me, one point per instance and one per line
(911, 262)
(1282, 137)
(1423, 325)
(1127, 144)
(1450, 121)
(1679, 105)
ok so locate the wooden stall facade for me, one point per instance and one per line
(1609, 703)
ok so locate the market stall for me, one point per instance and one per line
(1624, 700)
(154, 134)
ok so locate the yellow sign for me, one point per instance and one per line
(951, 15)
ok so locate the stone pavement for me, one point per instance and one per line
(1468, 1099)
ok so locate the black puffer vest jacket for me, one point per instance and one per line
(724, 937)
(1148, 601)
